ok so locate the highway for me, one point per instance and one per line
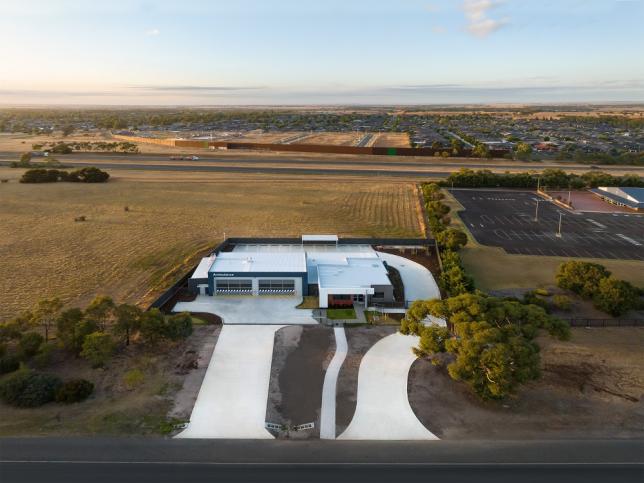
(160, 460)
(8, 156)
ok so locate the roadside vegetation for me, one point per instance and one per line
(44, 351)
(82, 175)
(548, 178)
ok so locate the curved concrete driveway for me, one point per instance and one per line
(418, 281)
(232, 398)
(327, 410)
(383, 411)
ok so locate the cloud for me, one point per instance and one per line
(152, 32)
(479, 23)
(188, 89)
(439, 29)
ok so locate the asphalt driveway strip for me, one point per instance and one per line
(300, 357)
(506, 219)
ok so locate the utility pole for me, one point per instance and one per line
(536, 211)
(538, 184)
(558, 235)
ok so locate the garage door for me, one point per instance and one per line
(269, 287)
(234, 286)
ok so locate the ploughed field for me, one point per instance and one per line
(133, 255)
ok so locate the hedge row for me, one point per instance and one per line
(83, 175)
(549, 178)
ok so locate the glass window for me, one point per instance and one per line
(277, 285)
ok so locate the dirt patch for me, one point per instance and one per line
(210, 319)
(300, 357)
(591, 387)
(193, 365)
(360, 340)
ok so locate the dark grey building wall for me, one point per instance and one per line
(388, 293)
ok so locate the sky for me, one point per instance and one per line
(275, 52)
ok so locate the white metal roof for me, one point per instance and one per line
(320, 238)
(259, 262)
(202, 269)
(354, 273)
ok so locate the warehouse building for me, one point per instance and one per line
(632, 198)
(339, 274)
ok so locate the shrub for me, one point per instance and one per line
(616, 297)
(98, 347)
(544, 292)
(9, 363)
(562, 302)
(40, 175)
(43, 358)
(133, 378)
(178, 326)
(88, 175)
(452, 239)
(29, 389)
(74, 390)
(581, 277)
(29, 344)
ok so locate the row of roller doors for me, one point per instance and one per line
(265, 286)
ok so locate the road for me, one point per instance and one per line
(100, 460)
(373, 165)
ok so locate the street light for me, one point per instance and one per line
(536, 211)
(558, 234)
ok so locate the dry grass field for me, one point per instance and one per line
(333, 138)
(393, 140)
(133, 255)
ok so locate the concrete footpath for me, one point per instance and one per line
(329, 389)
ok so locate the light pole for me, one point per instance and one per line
(536, 212)
(559, 232)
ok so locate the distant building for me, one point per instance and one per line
(632, 198)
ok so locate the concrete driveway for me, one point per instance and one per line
(418, 281)
(382, 410)
(251, 310)
(232, 398)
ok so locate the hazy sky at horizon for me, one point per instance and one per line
(331, 52)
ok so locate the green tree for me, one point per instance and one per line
(128, 320)
(72, 328)
(98, 348)
(616, 297)
(67, 130)
(45, 314)
(178, 326)
(491, 341)
(452, 239)
(25, 159)
(152, 326)
(100, 311)
(523, 151)
(29, 344)
(481, 151)
(583, 278)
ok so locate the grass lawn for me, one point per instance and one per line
(339, 314)
(494, 269)
(309, 302)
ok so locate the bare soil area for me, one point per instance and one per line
(360, 340)
(393, 140)
(591, 387)
(300, 358)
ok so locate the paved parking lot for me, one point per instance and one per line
(505, 218)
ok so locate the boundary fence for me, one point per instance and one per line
(582, 322)
(300, 148)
